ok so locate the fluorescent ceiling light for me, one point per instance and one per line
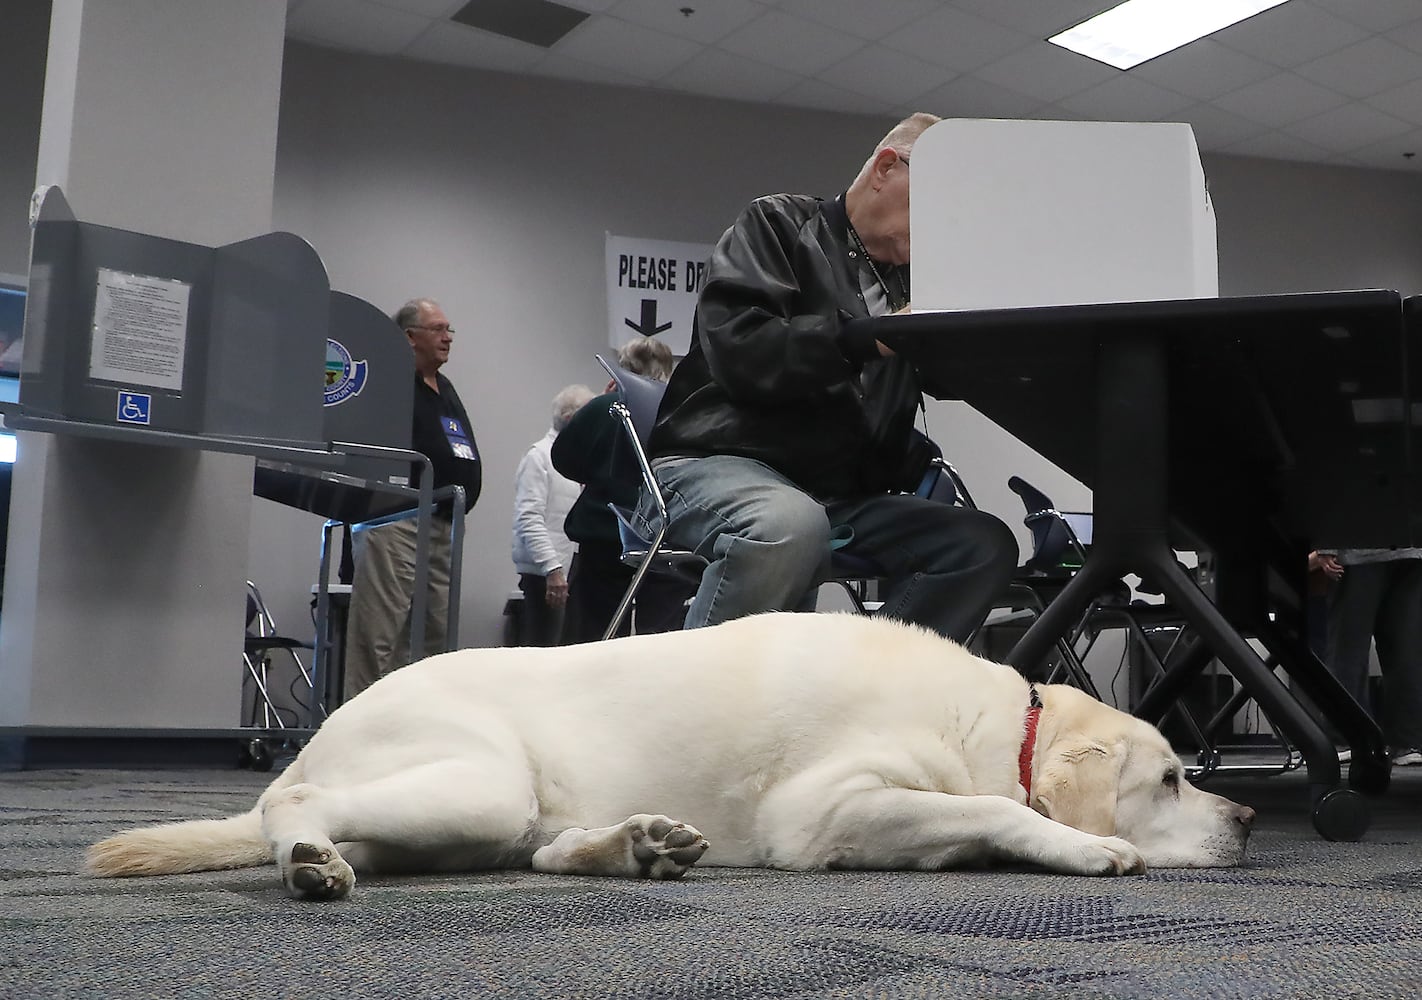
(1132, 32)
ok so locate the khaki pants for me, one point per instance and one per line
(378, 629)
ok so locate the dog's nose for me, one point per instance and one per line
(1244, 816)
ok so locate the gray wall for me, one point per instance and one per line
(24, 38)
(492, 193)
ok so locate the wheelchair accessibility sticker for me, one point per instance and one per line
(134, 407)
(345, 377)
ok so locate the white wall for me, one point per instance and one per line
(492, 193)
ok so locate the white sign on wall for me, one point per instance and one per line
(652, 287)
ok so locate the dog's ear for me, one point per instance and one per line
(1078, 786)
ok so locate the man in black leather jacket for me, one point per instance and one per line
(788, 428)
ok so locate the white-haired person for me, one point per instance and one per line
(542, 553)
(594, 451)
(788, 423)
(382, 592)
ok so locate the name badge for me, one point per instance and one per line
(459, 442)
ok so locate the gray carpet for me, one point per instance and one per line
(1305, 918)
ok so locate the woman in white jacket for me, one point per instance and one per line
(542, 553)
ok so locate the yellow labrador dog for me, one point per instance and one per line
(793, 741)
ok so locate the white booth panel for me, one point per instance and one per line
(1028, 213)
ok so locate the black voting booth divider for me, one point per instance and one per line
(1255, 428)
(140, 339)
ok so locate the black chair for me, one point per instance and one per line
(1157, 632)
(636, 410)
(262, 638)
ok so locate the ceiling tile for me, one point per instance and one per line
(564, 67)
(959, 41)
(439, 9)
(709, 23)
(457, 44)
(1364, 69)
(1215, 128)
(880, 72)
(627, 48)
(595, 6)
(1280, 100)
(354, 24)
(1054, 113)
(828, 97)
(1204, 69)
(971, 97)
(1375, 15)
(1347, 128)
(1278, 146)
(1352, 85)
(724, 74)
(1039, 18)
(1408, 36)
(1047, 72)
(1290, 34)
(792, 43)
(1125, 99)
(854, 18)
(1401, 102)
(1390, 153)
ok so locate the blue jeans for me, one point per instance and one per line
(768, 545)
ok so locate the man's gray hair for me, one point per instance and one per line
(901, 137)
(647, 356)
(570, 399)
(408, 315)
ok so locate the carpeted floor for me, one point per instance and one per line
(1305, 918)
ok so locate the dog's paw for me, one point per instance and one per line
(1110, 856)
(317, 873)
(663, 847)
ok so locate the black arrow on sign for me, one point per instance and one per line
(648, 326)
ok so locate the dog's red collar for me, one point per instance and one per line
(1029, 743)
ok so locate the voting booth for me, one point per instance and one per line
(148, 334)
(133, 340)
(1043, 213)
(1064, 285)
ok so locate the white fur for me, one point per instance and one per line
(787, 741)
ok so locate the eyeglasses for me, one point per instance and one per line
(437, 328)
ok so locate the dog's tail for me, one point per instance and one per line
(200, 845)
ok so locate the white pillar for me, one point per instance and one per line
(124, 575)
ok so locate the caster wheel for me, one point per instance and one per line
(1341, 814)
(261, 755)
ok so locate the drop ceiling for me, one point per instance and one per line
(1323, 81)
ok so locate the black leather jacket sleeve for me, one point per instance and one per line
(770, 337)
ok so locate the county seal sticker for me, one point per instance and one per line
(345, 377)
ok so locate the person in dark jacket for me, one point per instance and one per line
(378, 630)
(787, 425)
(593, 450)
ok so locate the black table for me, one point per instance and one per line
(1256, 428)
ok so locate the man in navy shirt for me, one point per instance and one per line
(378, 632)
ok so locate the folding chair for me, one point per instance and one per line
(261, 640)
(636, 410)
